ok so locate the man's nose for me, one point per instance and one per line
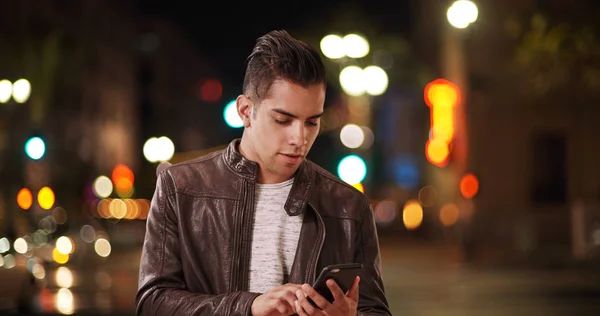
(298, 137)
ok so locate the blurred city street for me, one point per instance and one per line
(421, 279)
(427, 279)
(471, 127)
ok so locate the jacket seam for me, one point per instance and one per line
(163, 230)
(199, 160)
(203, 196)
(358, 219)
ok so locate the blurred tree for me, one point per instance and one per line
(555, 57)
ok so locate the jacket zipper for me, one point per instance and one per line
(313, 265)
(247, 226)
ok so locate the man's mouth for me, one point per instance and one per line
(292, 158)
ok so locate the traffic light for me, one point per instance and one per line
(442, 97)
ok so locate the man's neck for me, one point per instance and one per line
(264, 175)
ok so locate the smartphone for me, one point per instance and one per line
(343, 274)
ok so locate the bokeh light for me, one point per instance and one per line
(355, 46)
(231, 116)
(469, 186)
(5, 90)
(352, 169)
(21, 90)
(332, 46)
(352, 136)
(35, 148)
(46, 198)
(24, 199)
(412, 215)
(102, 187)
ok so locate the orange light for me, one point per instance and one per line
(437, 152)
(359, 186)
(46, 198)
(469, 185)
(24, 198)
(442, 93)
(123, 178)
(449, 214)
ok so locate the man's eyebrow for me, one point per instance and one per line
(295, 116)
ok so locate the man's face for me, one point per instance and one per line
(280, 130)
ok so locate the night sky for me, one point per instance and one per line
(226, 32)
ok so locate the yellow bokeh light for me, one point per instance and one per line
(442, 93)
(412, 215)
(118, 208)
(58, 257)
(46, 198)
(437, 152)
(442, 122)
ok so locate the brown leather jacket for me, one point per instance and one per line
(196, 253)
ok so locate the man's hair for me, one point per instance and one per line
(277, 55)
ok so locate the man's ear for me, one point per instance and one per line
(244, 108)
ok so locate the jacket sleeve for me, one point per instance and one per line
(162, 289)
(372, 298)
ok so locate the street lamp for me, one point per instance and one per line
(5, 90)
(462, 13)
(20, 90)
(351, 45)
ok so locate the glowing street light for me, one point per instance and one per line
(332, 46)
(462, 13)
(356, 81)
(351, 45)
(355, 46)
(6, 88)
(21, 90)
(159, 149)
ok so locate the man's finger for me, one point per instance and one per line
(315, 296)
(306, 308)
(335, 289)
(353, 291)
(299, 310)
(290, 297)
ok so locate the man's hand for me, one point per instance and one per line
(277, 302)
(343, 303)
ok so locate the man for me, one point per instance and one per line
(245, 230)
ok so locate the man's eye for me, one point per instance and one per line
(312, 123)
(281, 122)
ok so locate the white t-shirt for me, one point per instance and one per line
(274, 238)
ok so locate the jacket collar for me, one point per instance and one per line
(248, 169)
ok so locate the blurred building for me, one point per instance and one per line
(530, 120)
(105, 76)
